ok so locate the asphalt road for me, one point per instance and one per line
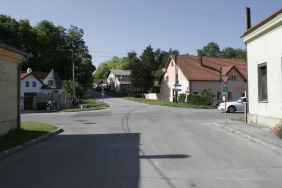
(138, 145)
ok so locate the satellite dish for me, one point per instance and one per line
(164, 69)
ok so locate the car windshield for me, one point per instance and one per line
(240, 100)
(237, 100)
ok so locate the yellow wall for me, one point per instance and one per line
(9, 63)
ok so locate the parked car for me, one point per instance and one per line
(233, 106)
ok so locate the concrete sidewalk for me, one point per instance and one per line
(264, 137)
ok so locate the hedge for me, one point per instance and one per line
(154, 89)
(196, 99)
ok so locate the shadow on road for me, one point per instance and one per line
(102, 160)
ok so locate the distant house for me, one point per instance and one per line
(11, 60)
(100, 82)
(119, 81)
(34, 82)
(197, 73)
(264, 49)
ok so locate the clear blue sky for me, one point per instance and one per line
(115, 27)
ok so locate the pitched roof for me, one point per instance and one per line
(124, 80)
(57, 82)
(100, 81)
(210, 68)
(24, 75)
(40, 75)
(263, 22)
(121, 72)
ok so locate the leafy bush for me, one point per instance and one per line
(68, 88)
(205, 98)
(138, 95)
(182, 97)
(199, 100)
(154, 89)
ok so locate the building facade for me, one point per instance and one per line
(264, 49)
(193, 74)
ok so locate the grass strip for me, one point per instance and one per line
(239, 119)
(29, 131)
(91, 104)
(159, 102)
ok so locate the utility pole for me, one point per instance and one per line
(73, 81)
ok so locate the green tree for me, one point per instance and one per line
(241, 54)
(79, 54)
(210, 50)
(148, 57)
(141, 76)
(130, 60)
(9, 28)
(102, 71)
(68, 88)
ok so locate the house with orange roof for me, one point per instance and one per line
(264, 57)
(193, 74)
(34, 82)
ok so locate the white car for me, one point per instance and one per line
(236, 105)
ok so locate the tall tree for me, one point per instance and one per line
(79, 54)
(141, 76)
(130, 60)
(102, 70)
(210, 50)
(148, 57)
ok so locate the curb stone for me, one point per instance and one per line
(15, 149)
(251, 137)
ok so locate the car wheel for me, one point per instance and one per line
(231, 109)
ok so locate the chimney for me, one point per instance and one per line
(248, 18)
(200, 60)
(29, 70)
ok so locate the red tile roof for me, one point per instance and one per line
(39, 75)
(210, 68)
(263, 22)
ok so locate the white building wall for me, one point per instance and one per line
(30, 89)
(266, 49)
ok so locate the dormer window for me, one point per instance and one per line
(233, 78)
(50, 82)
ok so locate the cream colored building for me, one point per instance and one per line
(264, 49)
(119, 81)
(197, 73)
(11, 60)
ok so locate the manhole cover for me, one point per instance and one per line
(89, 123)
(81, 120)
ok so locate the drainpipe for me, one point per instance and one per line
(19, 91)
(248, 26)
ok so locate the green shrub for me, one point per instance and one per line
(199, 100)
(154, 89)
(181, 97)
(138, 95)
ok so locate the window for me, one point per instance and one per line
(27, 84)
(229, 95)
(50, 82)
(195, 93)
(262, 82)
(233, 78)
(218, 95)
(34, 84)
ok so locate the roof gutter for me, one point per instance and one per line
(19, 90)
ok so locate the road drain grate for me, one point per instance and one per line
(81, 120)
